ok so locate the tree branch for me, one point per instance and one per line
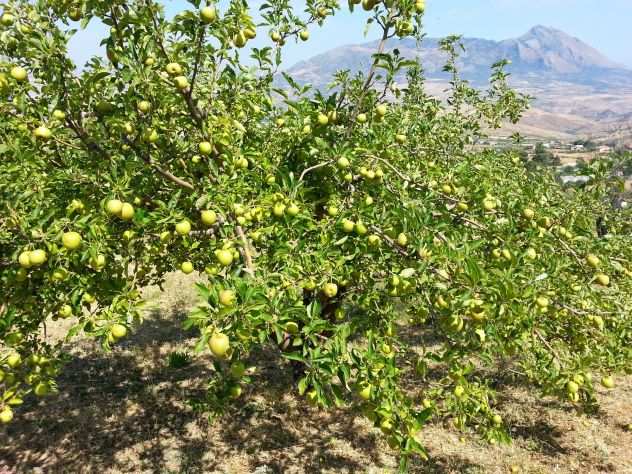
(250, 268)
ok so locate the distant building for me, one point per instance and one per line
(604, 149)
(577, 148)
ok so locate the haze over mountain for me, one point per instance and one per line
(578, 90)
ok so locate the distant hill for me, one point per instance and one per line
(579, 91)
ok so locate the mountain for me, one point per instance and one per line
(578, 90)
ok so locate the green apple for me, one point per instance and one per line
(114, 207)
(593, 261)
(381, 110)
(237, 369)
(365, 392)
(144, 106)
(18, 73)
(42, 132)
(224, 257)
(205, 148)
(292, 210)
(14, 360)
(240, 39)
(227, 297)
(183, 227)
(187, 267)
(208, 217)
(602, 279)
(607, 382)
(7, 19)
(235, 391)
(118, 330)
(250, 33)
(348, 225)
(304, 35)
(361, 118)
(24, 259)
(219, 344)
(127, 211)
(208, 14)
(59, 114)
(374, 240)
(279, 209)
(173, 69)
(402, 239)
(330, 290)
(528, 213)
(343, 163)
(181, 82)
(65, 311)
(71, 240)
(41, 389)
(6, 415)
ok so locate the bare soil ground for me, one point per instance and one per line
(126, 412)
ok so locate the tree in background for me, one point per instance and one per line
(363, 239)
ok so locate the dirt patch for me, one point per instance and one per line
(126, 411)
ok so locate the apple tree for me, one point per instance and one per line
(396, 265)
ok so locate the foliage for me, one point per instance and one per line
(354, 230)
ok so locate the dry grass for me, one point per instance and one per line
(126, 411)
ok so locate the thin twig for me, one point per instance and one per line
(312, 168)
(250, 268)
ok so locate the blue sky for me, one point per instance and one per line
(604, 24)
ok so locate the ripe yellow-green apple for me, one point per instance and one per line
(386, 426)
(250, 33)
(187, 267)
(18, 73)
(400, 138)
(381, 110)
(144, 106)
(446, 188)
(173, 69)
(339, 314)
(291, 327)
(183, 227)
(6, 415)
(542, 301)
(42, 132)
(602, 279)
(205, 148)
(14, 360)
(279, 209)
(114, 207)
(181, 82)
(365, 392)
(127, 211)
(208, 217)
(374, 240)
(572, 387)
(71, 240)
(330, 290)
(65, 311)
(97, 262)
(75, 14)
(118, 330)
(528, 213)
(420, 6)
(58, 114)
(128, 234)
(360, 228)
(275, 36)
(208, 14)
(607, 382)
(343, 163)
(531, 254)
(322, 119)
(592, 260)
(24, 259)
(227, 297)
(402, 239)
(104, 107)
(332, 211)
(219, 344)
(150, 61)
(304, 35)
(361, 118)
(459, 391)
(7, 19)
(240, 39)
(497, 420)
(348, 225)
(292, 210)
(224, 257)
(489, 203)
(41, 389)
